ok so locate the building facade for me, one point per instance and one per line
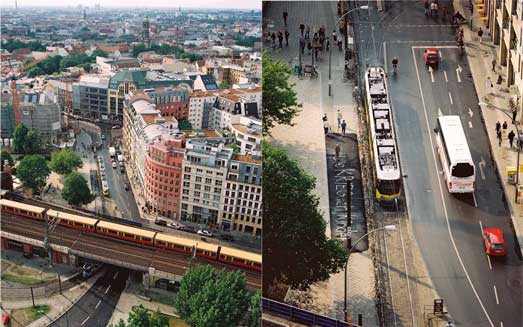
(171, 101)
(89, 98)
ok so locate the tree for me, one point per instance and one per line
(210, 297)
(76, 191)
(137, 49)
(19, 138)
(35, 71)
(280, 104)
(140, 316)
(255, 310)
(64, 162)
(4, 155)
(33, 142)
(184, 125)
(33, 172)
(99, 53)
(88, 67)
(225, 86)
(292, 219)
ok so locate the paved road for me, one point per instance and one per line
(96, 307)
(447, 228)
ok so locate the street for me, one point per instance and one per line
(478, 290)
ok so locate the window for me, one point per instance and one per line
(197, 193)
(207, 188)
(197, 186)
(208, 181)
(198, 179)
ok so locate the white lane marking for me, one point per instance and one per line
(442, 197)
(489, 263)
(435, 46)
(496, 293)
(116, 275)
(481, 226)
(431, 71)
(446, 78)
(439, 112)
(406, 274)
(474, 197)
(98, 304)
(107, 290)
(83, 322)
(385, 56)
(482, 165)
(470, 124)
(471, 113)
(440, 56)
(501, 323)
(390, 280)
(458, 72)
(450, 97)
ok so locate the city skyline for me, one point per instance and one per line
(210, 4)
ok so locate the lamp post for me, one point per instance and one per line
(346, 45)
(387, 227)
(481, 104)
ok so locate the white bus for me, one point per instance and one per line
(455, 155)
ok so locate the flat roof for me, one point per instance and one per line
(23, 206)
(186, 242)
(71, 217)
(255, 257)
(126, 229)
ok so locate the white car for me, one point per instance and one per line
(174, 225)
(204, 232)
(115, 164)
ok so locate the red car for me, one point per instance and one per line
(494, 242)
(5, 319)
(431, 57)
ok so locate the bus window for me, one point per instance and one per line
(463, 170)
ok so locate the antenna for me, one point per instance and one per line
(16, 4)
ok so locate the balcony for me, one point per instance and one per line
(499, 20)
(506, 37)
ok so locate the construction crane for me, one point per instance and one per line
(14, 94)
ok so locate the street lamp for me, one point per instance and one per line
(331, 40)
(387, 227)
(481, 104)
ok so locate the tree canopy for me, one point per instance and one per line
(184, 125)
(33, 172)
(225, 86)
(19, 138)
(140, 317)
(76, 191)
(13, 44)
(4, 155)
(280, 104)
(64, 162)
(210, 297)
(255, 310)
(26, 141)
(296, 250)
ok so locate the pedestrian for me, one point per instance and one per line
(337, 149)
(273, 37)
(339, 117)
(500, 137)
(480, 35)
(432, 9)
(494, 62)
(324, 117)
(505, 125)
(308, 32)
(511, 136)
(514, 110)
(287, 38)
(309, 45)
(285, 14)
(302, 28)
(343, 126)
(500, 80)
(436, 8)
(326, 127)
(489, 85)
(427, 6)
(280, 39)
(302, 44)
(504, 129)
(498, 126)
(327, 47)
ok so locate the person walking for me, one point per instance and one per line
(280, 39)
(326, 126)
(287, 38)
(285, 15)
(339, 117)
(514, 110)
(302, 28)
(504, 129)
(337, 149)
(480, 35)
(302, 45)
(511, 136)
(494, 62)
(308, 32)
(500, 137)
(498, 126)
(343, 127)
(273, 37)
(427, 7)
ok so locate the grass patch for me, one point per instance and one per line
(39, 311)
(26, 280)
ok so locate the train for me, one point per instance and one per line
(232, 256)
(384, 151)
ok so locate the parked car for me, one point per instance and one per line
(122, 169)
(494, 242)
(115, 164)
(161, 223)
(87, 270)
(227, 237)
(204, 232)
(126, 187)
(188, 229)
(174, 225)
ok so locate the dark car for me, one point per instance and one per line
(188, 229)
(161, 222)
(227, 237)
(28, 255)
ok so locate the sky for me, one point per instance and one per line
(239, 4)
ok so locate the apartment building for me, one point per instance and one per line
(229, 105)
(89, 98)
(171, 101)
(248, 134)
(200, 104)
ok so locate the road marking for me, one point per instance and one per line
(458, 72)
(446, 78)
(482, 164)
(501, 323)
(107, 290)
(470, 124)
(433, 46)
(471, 113)
(481, 226)
(489, 263)
(83, 322)
(440, 56)
(442, 197)
(496, 293)
(406, 274)
(450, 97)
(474, 198)
(390, 280)
(431, 71)
(439, 112)
(116, 275)
(98, 304)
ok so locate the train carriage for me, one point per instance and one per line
(381, 133)
(18, 208)
(184, 245)
(132, 234)
(74, 221)
(241, 258)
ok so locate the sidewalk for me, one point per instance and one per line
(480, 58)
